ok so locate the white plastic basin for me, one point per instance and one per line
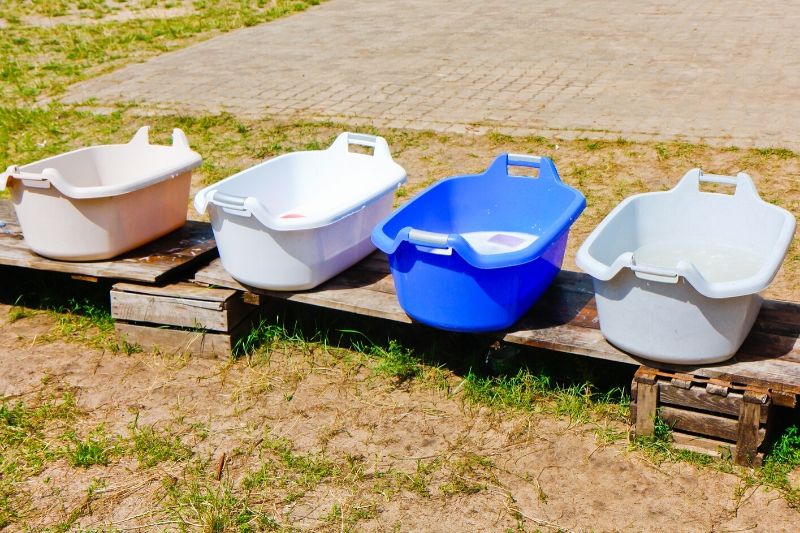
(677, 273)
(98, 202)
(292, 222)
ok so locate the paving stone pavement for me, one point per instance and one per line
(724, 71)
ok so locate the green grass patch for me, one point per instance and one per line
(36, 61)
(528, 391)
(97, 448)
(292, 472)
(395, 361)
(84, 322)
(781, 461)
(199, 503)
(151, 447)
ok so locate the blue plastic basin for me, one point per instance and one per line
(447, 277)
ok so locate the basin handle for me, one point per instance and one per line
(37, 180)
(690, 183)
(380, 148)
(228, 201)
(428, 238)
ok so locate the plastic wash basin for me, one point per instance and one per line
(473, 253)
(98, 202)
(677, 274)
(292, 222)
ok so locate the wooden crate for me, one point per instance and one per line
(706, 415)
(182, 317)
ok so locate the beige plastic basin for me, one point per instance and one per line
(96, 203)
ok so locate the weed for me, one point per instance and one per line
(469, 474)
(27, 445)
(497, 138)
(85, 322)
(263, 336)
(778, 153)
(293, 473)
(418, 480)
(152, 447)
(198, 503)
(396, 362)
(782, 460)
(18, 312)
(96, 449)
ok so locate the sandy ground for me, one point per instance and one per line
(535, 472)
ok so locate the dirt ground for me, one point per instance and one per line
(397, 456)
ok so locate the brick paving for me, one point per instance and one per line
(726, 72)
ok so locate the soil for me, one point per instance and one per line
(546, 473)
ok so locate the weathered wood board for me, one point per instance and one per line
(180, 304)
(208, 345)
(187, 246)
(564, 320)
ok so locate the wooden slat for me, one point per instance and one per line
(181, 341)
(704, 445)
(697, 398)
(182, 289)
(215, 274)
(703, 423)
(645, 413)
(165, 309)
(749, 433)
(175, 341)
(354, 300)
(187, 246)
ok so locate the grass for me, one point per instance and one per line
(781, 461)
(198, 503)
(152, 447)
(247, 500)
(28, 441)
(97, 448)
(529, 391)
(41, 61)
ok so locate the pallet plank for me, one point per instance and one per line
(646, 404)
(749, 433)
(173, 341)
(198, 343)
(175, 310)
(697, 398)
(704, 445)
(705, 424)
(184, 247)
(182, 289)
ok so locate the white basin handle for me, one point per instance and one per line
(380, 148)
(428, 238)
(690, 183)
(229, 201)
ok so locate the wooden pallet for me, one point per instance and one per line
(182, 249)
(706, 415)
(182, 317)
